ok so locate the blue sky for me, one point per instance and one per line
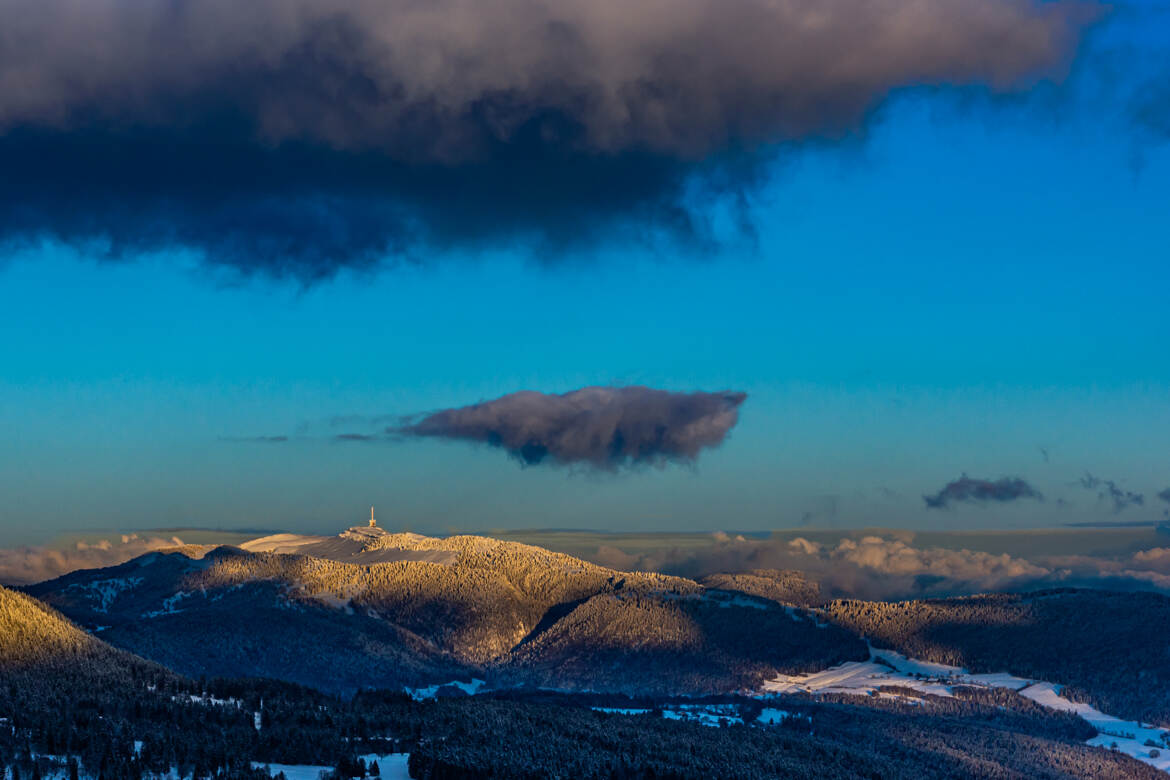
(963, 286)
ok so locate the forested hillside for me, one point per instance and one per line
(38, 644)
(967, 739)
(779, 585)
(712, 642)
(1110, 649)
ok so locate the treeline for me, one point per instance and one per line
(823, 740)
(116, 736)
(780, 585)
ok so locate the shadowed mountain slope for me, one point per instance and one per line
(651, 643)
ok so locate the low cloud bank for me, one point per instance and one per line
(26, 565)
(890, 566)
(599, 427)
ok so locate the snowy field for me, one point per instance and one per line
(885, 667)
(392, 766)
(706, 714)
(1129, 736)
(294, 771)
(431, 691)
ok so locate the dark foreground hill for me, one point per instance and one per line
(929, 741)
(109, 715)
(390, 610)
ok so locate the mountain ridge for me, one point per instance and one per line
(404, 609)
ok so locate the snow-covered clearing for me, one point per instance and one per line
(1129, 736)
(770, 716)
(391, 766)
(294, 771)
(429, 692)
(105, 591)
(620, 710)
(704, 714)
(887, 668)
(168, 605)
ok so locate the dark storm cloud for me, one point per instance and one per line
(293, 137)
(1109, 490)
(601, 427)
(981, 490)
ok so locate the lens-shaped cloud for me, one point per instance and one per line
(600, 427)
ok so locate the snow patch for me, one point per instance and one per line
(168, 605)
(888, 668)
(704, 714)
(430, 691)
(294, 771)
(621, 710)
(770, 716)
(105, 591)
(1129, 736)
(391, 766)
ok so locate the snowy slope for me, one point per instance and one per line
(865, 677)
(360, 545)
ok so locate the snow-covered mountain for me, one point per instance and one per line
(379, 609)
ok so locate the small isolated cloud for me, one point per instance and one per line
(254, 439)
(26, 565)
(1109, 490)
(1165, 495)
(599, 427)
(981, 491)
